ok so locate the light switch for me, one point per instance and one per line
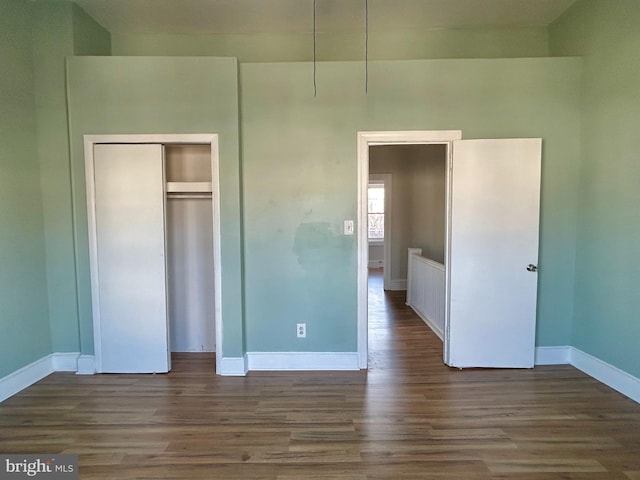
(348, 227)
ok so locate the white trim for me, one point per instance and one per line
(25, 377)
(217, 244)
(362, 241)
(602, 371)
(553, 355)
(410, 137)
(232, 366)
(288, 361)
(192, 139)
(179, 138)
(65, 362)
(430, 324)
(86, 365)
(606, 373)
(618, 379)
(364, 141)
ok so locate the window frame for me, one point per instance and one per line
(377, 184)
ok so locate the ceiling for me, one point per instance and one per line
(295, 16)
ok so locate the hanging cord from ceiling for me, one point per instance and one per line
(315, 84)
(366, 46)
(366, 49)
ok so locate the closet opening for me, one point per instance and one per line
(189, 241)
(153, 216)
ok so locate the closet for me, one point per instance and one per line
(189, 221)
(152, 233)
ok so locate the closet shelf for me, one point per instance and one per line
(188, 187)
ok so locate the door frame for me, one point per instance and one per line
(210, 139)
(366, 139)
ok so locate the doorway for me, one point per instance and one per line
(366, 140)
(491, 246)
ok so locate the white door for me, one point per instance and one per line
(130, 235)
(495, 204)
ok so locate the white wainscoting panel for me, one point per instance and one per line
(426, 291)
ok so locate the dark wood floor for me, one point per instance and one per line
(408, 417)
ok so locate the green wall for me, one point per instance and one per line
(297, 181)
(606, 34)
(299, 170)
(299, 177)
(394, 45)
(52, 41)
(61, 29)
(89, 37)
(119, 95)
(24, 321)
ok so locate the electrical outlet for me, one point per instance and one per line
(301, 330)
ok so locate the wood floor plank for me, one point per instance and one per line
(407, 417)
(545, 465)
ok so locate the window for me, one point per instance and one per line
(376, 211)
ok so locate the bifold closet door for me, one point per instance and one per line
(130, 232)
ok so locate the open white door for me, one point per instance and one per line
(131, 329)
(495, 204)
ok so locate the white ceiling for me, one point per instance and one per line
(295, 16)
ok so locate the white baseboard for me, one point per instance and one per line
(36, 371)
(437, 330)
(303, 360)
(65, 362)
(25, 377)
(602, 371)
(375, 264)
(606, 373)
(86, 365)
(397, 284)
(232, 366)
(553, 355)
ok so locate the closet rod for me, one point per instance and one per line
(177, 196)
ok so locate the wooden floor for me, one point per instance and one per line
(408, 417)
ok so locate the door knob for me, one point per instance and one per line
(532, 268)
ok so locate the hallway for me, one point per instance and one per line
(398, 339)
